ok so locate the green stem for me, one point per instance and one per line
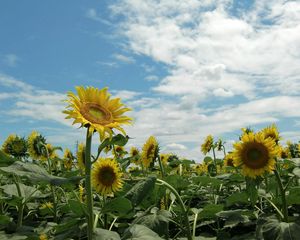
(161, 167)
(21, 205)
(186, 217)
(89, 195)
(273, 205)
(195, 224)
(215, 161)
(283, 198)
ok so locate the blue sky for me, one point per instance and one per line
(187, 68)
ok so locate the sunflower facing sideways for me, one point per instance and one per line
(106, 176)
(207, 145)
(94, 108)
(36, 146)
(272, 132)
(149, 152)
(228, 160)
(15, 146)
(255, 154)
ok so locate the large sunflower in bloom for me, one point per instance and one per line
(106, 176)
(149, 152)
(207, 145)
(15, 146)
(255, 154)
(272, 132)
(94, 108)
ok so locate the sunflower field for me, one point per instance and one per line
(47, 192)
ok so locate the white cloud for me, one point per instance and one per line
(94, 15)
(174, 146)
(11, 60)
(123, 58)
(125, 94)
(151, 78)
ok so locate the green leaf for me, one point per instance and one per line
(15, 236)
(207, 160)
(296, 172)
(157, 220)
(235, 198)
(205, 181)
(177, 181)
(141, 190)
(233, 217)
(251, 189)
(26, 191)
(294, 196)
(103, 234)
(118, 206)
(140, 232)
(210, 211)
(37, 174)
(272, 228)
(77, 207)
(6, 160)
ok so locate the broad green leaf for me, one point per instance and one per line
(26, 191)
(103, 234)
(156, 220)
(4, 220)
(294, 196)
(177, 181)
(140, 232)
(210, 211)
(207, 160)
(272, 228)
(233, 217)
(15, 236)
(141, 190)
(118, 206)
(237, 198)
(77, 207)
(296, 172)
(205, 181)
(37, 174)
(6, 160)
(251, 189)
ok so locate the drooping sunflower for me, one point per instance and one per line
(81, 156)
(207, 145)
(68, 159)
(272, 132)
(135, 155)
(119, 151)
(15, 146)
(149, 152)
(255, 154)
(106, 176)
(228, 160)
(36, 146)
(164, 157)
(94, 108)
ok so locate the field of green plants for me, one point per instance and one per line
(117, 192)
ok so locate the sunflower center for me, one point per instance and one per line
(255, 155)
(107, 176)
(149, 150)
(96, 113)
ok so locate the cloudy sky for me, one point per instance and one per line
(187, 68)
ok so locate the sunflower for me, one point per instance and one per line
(135, 155)
(255, 154)
(81, 156)
(201, 168)
(68, 159)
(207, 145)
(149, 152)
(81, 193)
(94, 108)
(228, 160)
(47, 205)
(119, 151)
(284, 152)
(164, 157)
(43, 236)
(106, 176)
(15, 146)
(272, 132)
(36, 146)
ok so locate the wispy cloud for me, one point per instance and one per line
(123, 58)
(11, 60)
(94, 15)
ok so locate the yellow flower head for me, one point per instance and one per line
(15, 146)
(135, 155)
(43, 236)
(149, 151)
(255, 154)
(201, 168)
(46, 205)
(81, 156)
(164, 157)
(119, 151)
(207, 145)
(228, 160)
(36, 146)
(94, 108)
(81, 193)
(272, 132)
(284, 152)
(68, 159)
(106, 176)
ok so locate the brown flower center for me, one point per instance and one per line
(96, 113)
(107, 176)
(255, 155)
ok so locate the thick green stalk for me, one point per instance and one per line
(186, 217)
(89, 194)
(21, 205)
(162, 170)
(215, 160)
(283, 198)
